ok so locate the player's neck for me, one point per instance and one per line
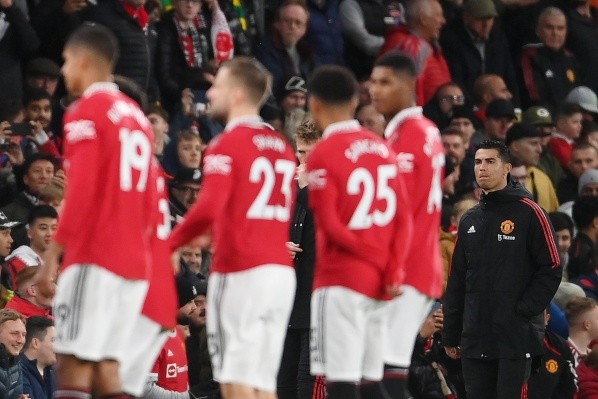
(334, 116)
(242, 110)
(96, 77)
(398, 110)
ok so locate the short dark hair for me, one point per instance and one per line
(252, 76)
(37, 327)
(398, 62)
(566, 110)
(583, 146)
(38, 156)
(585, 209)
(98, 39)
(451, 131)
(503, 151)
(156, 108)
(41, 211)
(35, 94)
(333, 84)
(561, 221)
(286, 3)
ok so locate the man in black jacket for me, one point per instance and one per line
(505, 270)
(12, 339)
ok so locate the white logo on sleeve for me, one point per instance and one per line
(217, 164)
(80, 130)
(317, 179)
(471, 230)
(406, 162)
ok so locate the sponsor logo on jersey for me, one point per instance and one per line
(170, 353)
(471, 230)
(366, 146)
(263, 142)
(505, 237)
(507, 226)
(217, 164)
(171, 370)
(405, 161)
(552, 366)
(79, 130)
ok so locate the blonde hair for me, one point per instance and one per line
(8, 315)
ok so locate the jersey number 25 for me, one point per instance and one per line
(362, 182)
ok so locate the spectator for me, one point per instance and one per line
(556, 377)
(365, 24)
(588, 183)
(541, 119)
(294, 379)
(549, 70)
(12, 339)
(448, 238)
(286, 53)
(325, 31)
(462, 161)
(586, 99)
(30, 298)
(6, 240)
(183, 152)
(588, 373)
(292, 100)
(186, 56)
(563, 226)
(159, 119)
(371, 119)
(582, 315)
(419, 40)
(500, 116)
(440, 108)
(585, 216)
(38, 358)
(37, 105)
(524, 143)
(18, 42)
(184, 189)
(583, 157)
(488, 316)
(487, 88)
(464, 120)
(581, 39)
(192, 258)
(136, 36)
(589, 133)
(38, 170)
(568, 128)
(475, 45)
(42, 73)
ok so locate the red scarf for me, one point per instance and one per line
(139, 14)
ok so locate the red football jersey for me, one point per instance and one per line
(171, 368)
(161, 301)
(360, 209)
(109, 203)
(246, 197)
(420, 156)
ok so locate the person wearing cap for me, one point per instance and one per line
(588, 183)
(524, 143)
(549, 70)
(292, 100)
(541, 118)
(474, 45)
(586, 99)
(500, 116)
(42, 73)
(184, 189)
(418, 38)
(464, 120)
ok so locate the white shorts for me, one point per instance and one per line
(144, 347)
(346, 335)
(96, 312)
(248, 314)
(406, 313)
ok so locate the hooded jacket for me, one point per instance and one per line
(11, 375)
(504, 272)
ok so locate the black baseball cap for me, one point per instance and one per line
(521, 130)
(187, 175)
(5, 223)
(500, 108)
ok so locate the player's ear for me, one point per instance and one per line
(314, 104)
(354, 104)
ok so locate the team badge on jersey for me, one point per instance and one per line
(507, 227)
(552, 366)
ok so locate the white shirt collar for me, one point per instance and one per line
(411, 112)
(340, 127)
(100, 86)
(562, 136)
(247, 120)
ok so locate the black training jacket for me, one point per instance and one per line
(504, 272)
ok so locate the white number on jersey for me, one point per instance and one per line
(262, 171)
(163, 229)
(435, 196)
(363, 216)
(135, 154)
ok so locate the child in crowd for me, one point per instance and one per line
(568, 128)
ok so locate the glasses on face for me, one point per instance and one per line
(188, 190)
(292, 21)
(460, 100)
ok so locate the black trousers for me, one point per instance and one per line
(495, 378)
(294, 379)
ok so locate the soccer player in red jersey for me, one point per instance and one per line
(246, 199)
(420, 158)
(362, 216)
(106, 224)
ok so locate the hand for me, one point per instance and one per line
(438, 318)
(454, 352)
(15, 154)
(428, 328)
(176, 262)
(5, 131)
(187, 102)
(73, 6)
(293, 249)
(59, 179)
(302, 175)
(36, 128)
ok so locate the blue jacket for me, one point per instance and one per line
(325, 32)
(34, 385)
(11, 376)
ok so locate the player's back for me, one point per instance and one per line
(107, 216)
(353, 191)
(254, 226)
